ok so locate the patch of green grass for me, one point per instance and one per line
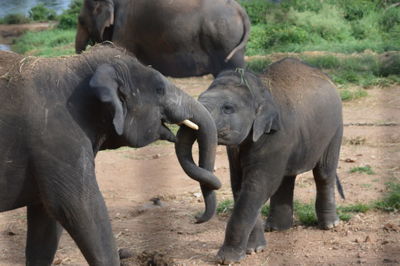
(348, 95)
(47, 43)
(345, 216)
(391, 202)
(225, 207)
(305, 212)
(362, 169)
(265, 210)
(357, 207)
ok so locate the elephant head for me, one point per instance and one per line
(141, 101)
(242, 108)
(94, 23)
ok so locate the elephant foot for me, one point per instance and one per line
(273, 224)
(326, 225)
(256, 249)
(230, 255)
(256, 244)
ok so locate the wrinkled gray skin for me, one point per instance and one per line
(276, 126)
(179, 38)
(56, 115)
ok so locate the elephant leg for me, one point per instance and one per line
(70, 194)
(254, 192)
(281, 206)
(43, 236)
(325, 180)
(257, 240)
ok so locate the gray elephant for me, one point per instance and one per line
(179, 38)
(275, 126)
(56, 115)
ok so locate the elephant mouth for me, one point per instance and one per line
(166, 133)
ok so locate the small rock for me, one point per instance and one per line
(348, 160)
(368, 239)
(125, 253)
(156, 156)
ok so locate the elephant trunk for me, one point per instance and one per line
(206, 137)
(81, 39)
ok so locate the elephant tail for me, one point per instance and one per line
(339, 187)
(246, 33)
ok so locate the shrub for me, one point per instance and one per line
(15, 19)
(257, 10)
(42, 13)
(69, 18)
(390, 19)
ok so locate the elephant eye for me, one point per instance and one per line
(228, 109)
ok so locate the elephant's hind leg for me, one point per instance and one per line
(43, 235)
(325, 180)
(281, 206)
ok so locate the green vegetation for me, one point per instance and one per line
(53, 42)
(348, 95)
(305, 212)
(68, 19)
(258, 65)
(46, 43)
(363, 70)
(338, 26)
(42, 13)
(362, 169)
(14, 19)
(391, 202)
(225, 207)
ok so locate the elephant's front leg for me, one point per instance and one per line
(70, 193)
(43, 235)
(256, 242)
(255, 190)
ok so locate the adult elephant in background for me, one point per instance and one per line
(57, 113)
(179, 38)
(275, 126)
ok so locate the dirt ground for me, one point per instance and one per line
(165, 233)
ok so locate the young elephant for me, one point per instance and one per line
(56, 114)
(276, 126)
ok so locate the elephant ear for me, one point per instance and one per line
(105, 86)
(103, 13)
(267, 120)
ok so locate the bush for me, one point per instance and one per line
(15, 19)
(390, 19)
(257, 10)
(42, 13)
(69, 18)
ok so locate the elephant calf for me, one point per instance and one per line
(56, 114)
(278, 125)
